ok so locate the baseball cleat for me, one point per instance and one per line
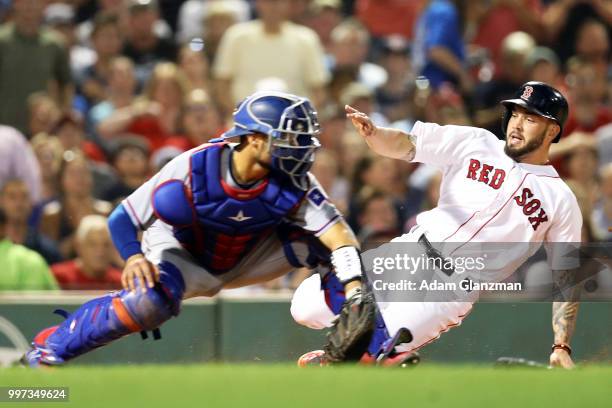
(39, 355)
(393, 359)
(403, 360)
(315, 358)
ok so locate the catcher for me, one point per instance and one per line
(223, 215)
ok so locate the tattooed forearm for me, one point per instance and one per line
(411, 152)
(564, 320)
(565, 313)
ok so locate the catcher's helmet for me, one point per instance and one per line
(291, 125)
(541, 99)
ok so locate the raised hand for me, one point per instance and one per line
(385, 141)
(361, 121)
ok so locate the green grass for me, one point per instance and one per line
(204, 386)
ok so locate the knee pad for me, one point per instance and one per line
(150, 309)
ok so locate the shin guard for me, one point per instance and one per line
(102, 320)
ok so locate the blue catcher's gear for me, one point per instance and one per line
(215, 222)
(108, 318)
(291, 124)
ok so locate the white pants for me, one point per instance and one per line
(425, 320)
(265, 262)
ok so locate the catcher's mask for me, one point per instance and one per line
(291, 124)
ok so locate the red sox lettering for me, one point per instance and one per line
(531, 206)
(486, 173)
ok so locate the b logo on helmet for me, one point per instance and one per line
(527, 92)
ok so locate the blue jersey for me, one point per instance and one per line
(438, 26)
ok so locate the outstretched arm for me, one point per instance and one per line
(564, 316)
(385, 141)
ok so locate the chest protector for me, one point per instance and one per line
(220, 224)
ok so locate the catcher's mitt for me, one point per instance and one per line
(350, 335)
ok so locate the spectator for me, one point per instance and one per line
(5, 6)
(22, 268)
(381, 16)
(394, 96)
(119, 93)
(143, 45)
(17, 206)
(194, 64)
(43, 113)
(48, 151)
(604, 143)
(61, 18)
(503, 17)
(37, 56)
(118, 9)
(563, 19)
(194, 12)
(379, 173)
(350, 43)
(593, 44)
(298, 11)
(92, 269)
(362, 98)
(429, 199)
(352, 149)
(201, 119)
(219, 16)
(543, 65)
(581, 167)
(156, 117)
(333, 123)
(93, 79)
(326, 170)
(516, 48)
(300, 69)
(377, 214)
(62, 216)
(324, 16)
(438, 50)
(585, 204)
(130, 159)
(601, 218)
(70, 131)
(17, 160)
(587, 93)
(446, 107)
(163, 156)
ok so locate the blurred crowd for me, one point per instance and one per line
(97, 95)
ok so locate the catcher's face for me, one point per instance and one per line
(528, 132)
(261, 149)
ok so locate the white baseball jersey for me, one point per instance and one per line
(486, 196)
(315, 213)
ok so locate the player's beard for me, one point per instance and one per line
(530, 146)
